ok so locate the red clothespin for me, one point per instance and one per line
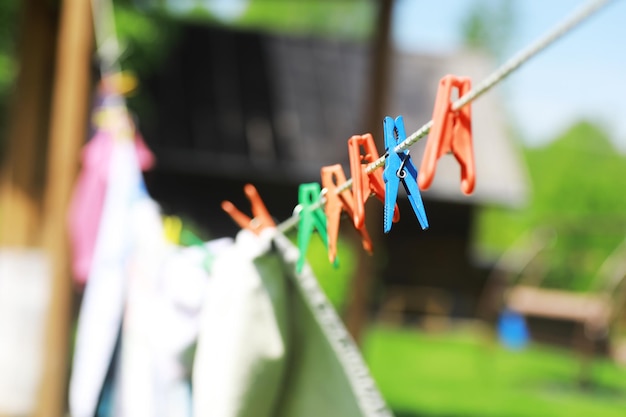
(451, 132)
(365, 183)
(262, 218)
(332, 177)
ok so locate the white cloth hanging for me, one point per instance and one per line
(148, 291)
(103, 300)
(166, 287)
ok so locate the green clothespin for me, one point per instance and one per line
(311, 217)
(188, 238)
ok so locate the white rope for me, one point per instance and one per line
(494, 78)
(107, 43)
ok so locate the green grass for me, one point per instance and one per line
(464, 374)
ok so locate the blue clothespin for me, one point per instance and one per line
(311, 217)
(397, 166)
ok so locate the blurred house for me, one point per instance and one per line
(434, 272)
(231, 107)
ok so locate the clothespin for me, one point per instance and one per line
(311, 217)
(188, 238)
(365, 183)
(262, 218)
(332, 177)
(397, 166)
(172, 228)
(451, 132)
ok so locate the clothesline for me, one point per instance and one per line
(108, 49)
(108, 46)
(569, 23)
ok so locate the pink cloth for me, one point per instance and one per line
(88, 198)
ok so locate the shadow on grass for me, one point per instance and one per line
(404, 413)
(591, 389)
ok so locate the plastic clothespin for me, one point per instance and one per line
(188, 238)
(262, 218)
(311, 217)
(172, 228)
(398, 166)
(451, 132)
(332, 176)
(365, 183)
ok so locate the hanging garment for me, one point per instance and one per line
(149, 289)
(103, 301)
(270, 343)
(88, 197)
(166, 287)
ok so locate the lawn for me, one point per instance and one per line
(465, 374)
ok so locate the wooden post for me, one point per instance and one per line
(22, 171)
(68, 123)
(356, 316)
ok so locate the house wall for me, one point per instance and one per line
(432, 269)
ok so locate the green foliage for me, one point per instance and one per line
(8, 29)
(9, 18)
(464, 374)
(577, 183)
(344, 19)
(146, 38)
(339, 19)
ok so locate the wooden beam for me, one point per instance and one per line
(366, 274)
(22, 176)
(68, 129)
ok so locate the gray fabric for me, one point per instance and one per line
(290, 356)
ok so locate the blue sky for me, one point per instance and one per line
(582, 75)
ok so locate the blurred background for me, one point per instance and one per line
(509, 305)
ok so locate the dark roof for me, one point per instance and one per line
(246, 104)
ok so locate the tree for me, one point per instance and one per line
(578, 191)
(8, 66)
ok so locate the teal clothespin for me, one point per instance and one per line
(188, 238)
(311, 217)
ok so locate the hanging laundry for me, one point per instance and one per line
(102, 306)
(166, 286)
(147, 291)
(270, 343)
(87, 201)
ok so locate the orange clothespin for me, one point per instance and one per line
(451, 132)
(262, 218)
(332, 177)
(365, 183)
